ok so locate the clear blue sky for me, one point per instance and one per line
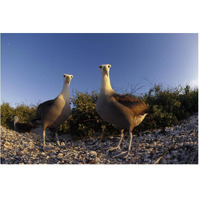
(32, 65)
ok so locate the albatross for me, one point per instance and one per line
(123, 111)
(21, 127)
(54, 112)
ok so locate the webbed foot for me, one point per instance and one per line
(47, 148)
(113, 148)
(62, 144)
(123, 154)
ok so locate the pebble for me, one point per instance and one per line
(180, 142)
(93, 153)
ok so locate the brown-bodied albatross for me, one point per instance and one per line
(123, 111)
(21, 127)
(54, 112)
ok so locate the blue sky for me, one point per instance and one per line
(32, 65)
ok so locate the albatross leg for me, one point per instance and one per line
(57, 139)
(44, 143)
(45, 148)
(120, 141)
(58, 142)
(126, 153)
(130, 143)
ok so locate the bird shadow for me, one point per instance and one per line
(48, 148)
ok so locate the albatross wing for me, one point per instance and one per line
(44, 107)
(137, 106)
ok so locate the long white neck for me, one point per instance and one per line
(15, 125)
(105, 85)
(65, 91)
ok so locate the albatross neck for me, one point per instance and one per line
(15, 125)
(105, 85)
(65, 92)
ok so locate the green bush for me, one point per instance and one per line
(24, 113)
(84, 120)
(166, 108)
(7, 114)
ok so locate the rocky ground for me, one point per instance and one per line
(177, 145)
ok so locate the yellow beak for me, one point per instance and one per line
(105, 70)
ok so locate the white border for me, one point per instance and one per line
(99, 181)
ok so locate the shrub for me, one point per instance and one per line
(84, 120)
(7, 114)
(24, 112)
(166, 108)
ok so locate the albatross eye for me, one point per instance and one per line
(64, 75)
(100, 67)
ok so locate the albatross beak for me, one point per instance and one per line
(106, 70)
(68, 79)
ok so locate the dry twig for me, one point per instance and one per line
(164, 153)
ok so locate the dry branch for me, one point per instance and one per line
(164, 153)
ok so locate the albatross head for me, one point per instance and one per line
(104, 69)
(67, 78)
(16, 119)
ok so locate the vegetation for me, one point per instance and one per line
(84, 120)
(24, 112)
(166, 108)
